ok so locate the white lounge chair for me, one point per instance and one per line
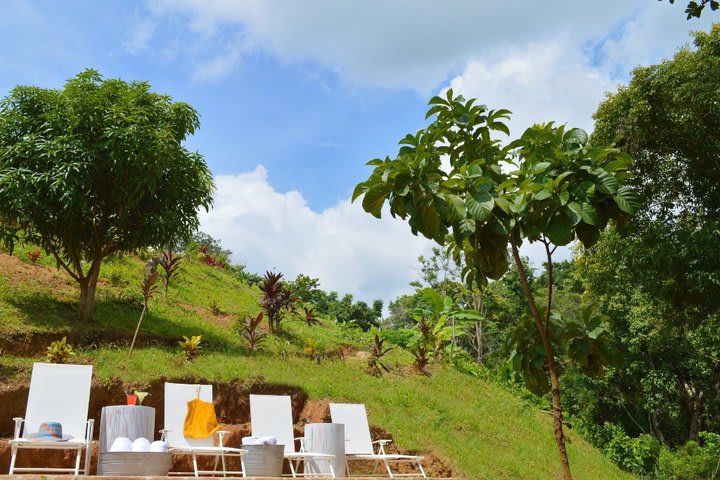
(177, 396)
(271, 416)
(58, 393)
(359, 444)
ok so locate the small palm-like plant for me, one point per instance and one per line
(311, 317)
(60, 351)
(313, 350)
(33, 256)
(375, 364)
(191, 346)
(277, 299)
(421, 345)
(148, 288)
(170, 263)
(249, 332)
(215, 308)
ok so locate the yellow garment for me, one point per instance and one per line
(200, 421)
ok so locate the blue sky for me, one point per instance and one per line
(295, 97)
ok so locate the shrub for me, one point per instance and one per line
(692, 461)
(59, 351)
(248, 330)
(33, 256)
(375, 364)
(191, 346)
(215, 309)
(277, 299)
(282, 348)
(311, 317)
(638, 455)
(170, 263)
(314, 350)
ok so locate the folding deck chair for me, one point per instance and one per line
(271, 415)
(58, 393)
(359, 444)
(177, 396)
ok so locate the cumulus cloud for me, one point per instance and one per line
(347, 249)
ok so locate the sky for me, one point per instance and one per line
(296, 96)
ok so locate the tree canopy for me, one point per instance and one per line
(95, 169)
(556, 187)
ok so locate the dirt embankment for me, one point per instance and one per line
(231, 405)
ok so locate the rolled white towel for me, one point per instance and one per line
(158, 446)
(121, 444)
(251, 441)
(141, 445)
(268, 440)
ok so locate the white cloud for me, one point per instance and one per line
(139, 36)
(347, 249)
(420, 44)
(219, 66)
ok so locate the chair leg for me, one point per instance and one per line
(13, 455)
(292, 468)
(422, 470)
(242, 465)
(387, 467)
(347, 467)
(222, 460)
(88, 452)
(195, 466)
(77, 461)
(332, 468)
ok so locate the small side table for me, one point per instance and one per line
(131, 421)
(326, 438)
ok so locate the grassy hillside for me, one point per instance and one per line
(476, 427)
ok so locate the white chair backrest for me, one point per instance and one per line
(357, 430)
(271, 416)
(59, 393)
(177, 396)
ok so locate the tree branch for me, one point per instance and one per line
(549, 253)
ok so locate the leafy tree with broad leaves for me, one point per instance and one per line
(95, 169)
(555, 188)
(660, 281)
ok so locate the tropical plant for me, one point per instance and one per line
(375, 364)
(248, 329)
(59, 351)
(420, 344)
(555, 188)
(170, 263)
(191, 346)
(694, 8)
(314, 350)
(147, 288)
(33, 256)
(277, 299)
(97, 169)
(215, 308)
(310, 316)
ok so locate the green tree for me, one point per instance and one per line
(95, 169)
(556, 188)
(660, 281)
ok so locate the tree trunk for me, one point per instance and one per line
(88, 285)
(137, 329)
(543, 330)
(479, 340)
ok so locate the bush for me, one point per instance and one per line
(692, 461)
(400, 337)
(59, 351)
(638, 455)
(191, 346)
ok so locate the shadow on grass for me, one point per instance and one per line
(115, 322)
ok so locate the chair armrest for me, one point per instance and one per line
(302, 443)
(18, 426)
(163, 434)
(221, 434)
(381, 445)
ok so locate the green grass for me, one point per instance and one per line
(475, 426)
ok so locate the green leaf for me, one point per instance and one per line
(627, 199)
(542, 195)
(374, 199)
(608, 183)
(541, 167)
(479, 205)
(360, 188)
(585, 212)
(457, 207)
(587, 234)
(560, 229)
(576, 135)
